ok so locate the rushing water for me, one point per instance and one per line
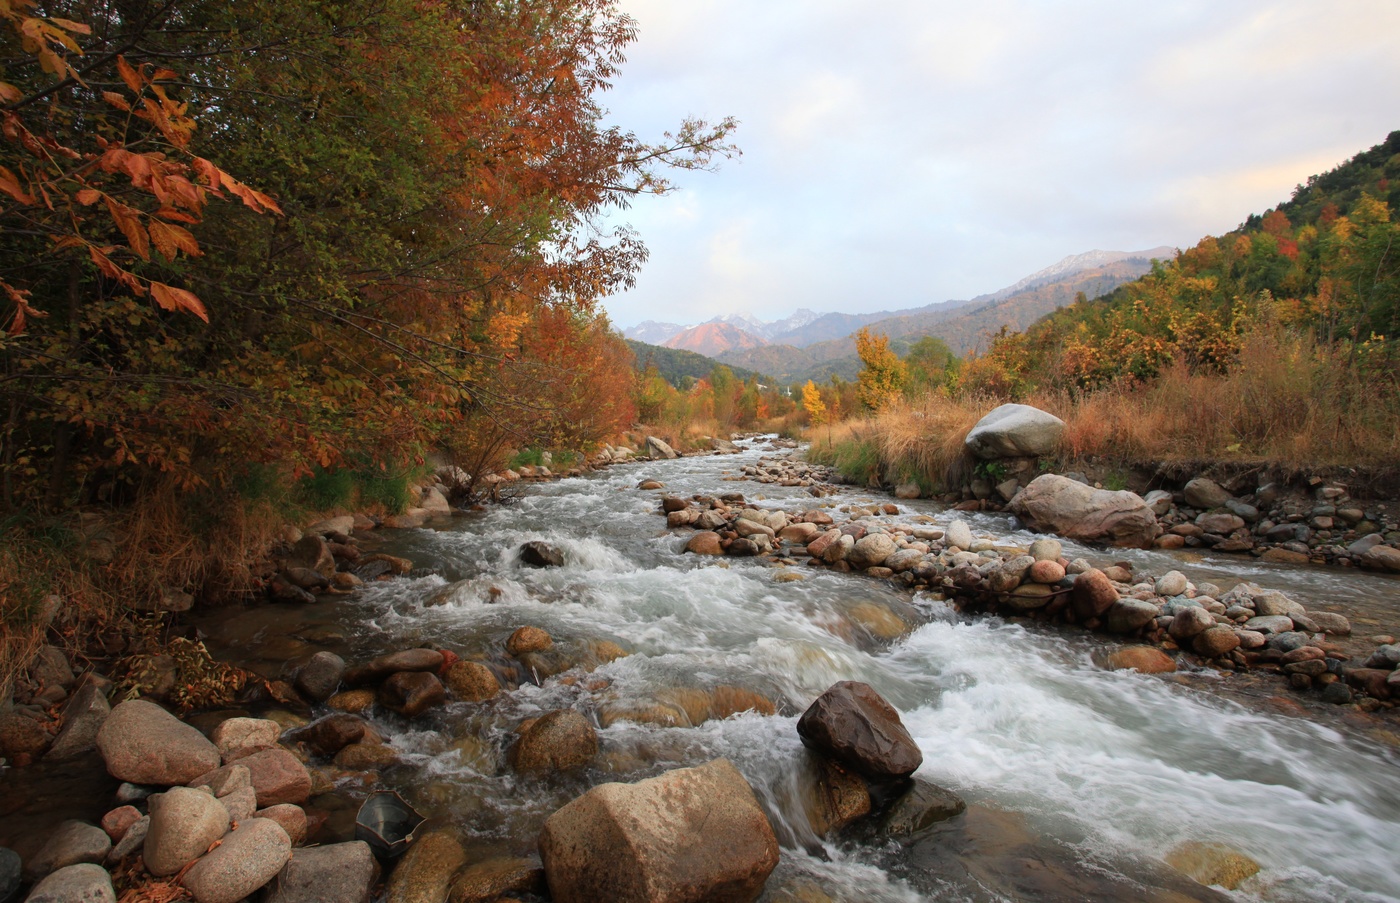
(1078, 779)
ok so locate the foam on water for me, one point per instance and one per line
(1118, 765)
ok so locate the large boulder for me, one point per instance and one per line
(689, 835)
(1057, 504)
(249, 857)
(657, 449)
(558, 741)
(1015, 431)
(1205, 494)
(144, 744)
(854, 725)
(184, 822)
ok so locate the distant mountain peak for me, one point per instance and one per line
(714, 338)
(1077, 263)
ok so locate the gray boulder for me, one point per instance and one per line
(71, 843)
(249, 857)
(144, 744)
(690, 834)
(657, 449)
(184, 822)
(335, 873)
(1205, 494)
(1015, 431)
(1056, 504)
(86, 883)
(83, 717)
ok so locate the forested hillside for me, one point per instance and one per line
(308, 235)
(677, 366)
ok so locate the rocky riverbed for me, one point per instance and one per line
(500, 667)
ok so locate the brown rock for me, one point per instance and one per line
(1144, 659)
(327, 736)
(425, 873)
(353, 701)
(411, 693)
(528, 639)
(118, 821)
(1047, 572)
(705, 542)
(292, 819)
(277, 776)
(1056, 504)
(1093, 594)
(856, 726)
(1216, 641)
(144, 744)
(472, 681)
(835, 798)
(1212, 863)
(687, 836)
(484, 882)
(559, 741)
(404, 660)
(366, 757)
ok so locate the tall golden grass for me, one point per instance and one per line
(1287, 401)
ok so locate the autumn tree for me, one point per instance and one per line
(882, 373)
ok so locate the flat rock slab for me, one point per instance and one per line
(144, 744)
(687, 836)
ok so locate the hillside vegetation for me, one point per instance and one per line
(1278, 343)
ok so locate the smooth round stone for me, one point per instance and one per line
(1046, 570)
(249, 857)
(84, 883)
(1046, 550)
(1172, 583)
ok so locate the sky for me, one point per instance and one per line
(897, 153)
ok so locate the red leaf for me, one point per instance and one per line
(172, 298)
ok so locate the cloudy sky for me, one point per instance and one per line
(900, 152)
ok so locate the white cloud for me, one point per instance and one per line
(898, 153)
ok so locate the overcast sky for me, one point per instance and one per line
(900, 152)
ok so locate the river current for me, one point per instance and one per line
(1079, 780)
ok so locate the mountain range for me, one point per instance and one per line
(808, 345)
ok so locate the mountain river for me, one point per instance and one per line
(1078, 779)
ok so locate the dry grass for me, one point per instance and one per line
(1287, 402)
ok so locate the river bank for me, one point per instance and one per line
(1013, 715)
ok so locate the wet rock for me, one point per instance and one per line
(404, 660)
(854, 725)
(238, 737)
(1047, 572)
(365, 757)
(705, 542)
(1093, 594)
(411, 693)
(471, 681)
(1172, 583)
(1216, 641)
(1212, 863)
(958, 535)
(85, 883)
(1057, 504)
(688, 835)
(142, 743)
(184, 822)
(329, 735)
(559, 741)
(835, 798)
(83, 717)
(424, 874)
(71, 842)
(671, 503)
(538, 554)
(1268, 624)
(651, 484)
(333, 873)
(495, 879)
(1190, 622)
(1015, 431)
(1382, 558)
(312, 553)
(22, 737)
(353, 701)
(249, 857)
(320, 677)
(923, 805)
(1127, 615)
(1331, 623)
(1143, 659)
(839, 549)
(1373, 681)
(528, 639)
(871, 550)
